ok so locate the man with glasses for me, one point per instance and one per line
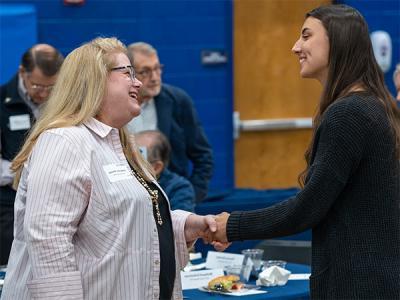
(171, 110)
(20, 102)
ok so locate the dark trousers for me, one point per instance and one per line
(6, 230)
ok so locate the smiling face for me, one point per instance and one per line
(120, 104)
(312, 48)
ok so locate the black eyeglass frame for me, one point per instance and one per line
(130, 69)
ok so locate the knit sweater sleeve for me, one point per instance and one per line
(338, 149)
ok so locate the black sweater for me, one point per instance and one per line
(351, 200)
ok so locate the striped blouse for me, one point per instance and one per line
(84, 226)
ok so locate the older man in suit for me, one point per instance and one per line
(171, 110)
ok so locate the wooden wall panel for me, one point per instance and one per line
(267, 84)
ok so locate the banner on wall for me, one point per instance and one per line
(382, 45)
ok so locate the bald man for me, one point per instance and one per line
(179, 190)
(20, 102)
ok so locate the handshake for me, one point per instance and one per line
(212, 229)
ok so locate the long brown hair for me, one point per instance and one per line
(351, 64)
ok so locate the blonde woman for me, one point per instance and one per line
(90, 220)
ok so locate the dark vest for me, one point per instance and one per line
(11, 104)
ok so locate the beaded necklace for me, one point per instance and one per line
(153, 194)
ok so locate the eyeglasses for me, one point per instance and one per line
(148, 72)
(39, 87)
(127, 70)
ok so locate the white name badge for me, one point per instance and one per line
(20, 122)
(198, 279)
(116, 172)
(221, 260)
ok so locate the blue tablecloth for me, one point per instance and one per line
(294, 289)
(245, 199)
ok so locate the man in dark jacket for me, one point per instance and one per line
(171, 110)
(20, 102)
(155, 147)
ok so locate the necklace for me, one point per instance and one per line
(153, 195)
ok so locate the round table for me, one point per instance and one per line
(294, 289)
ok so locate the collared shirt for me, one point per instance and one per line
(147, 120)
(84, 226)
(23, 93)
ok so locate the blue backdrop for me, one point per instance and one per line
(382, 15)
(180, 30)
(18, 32)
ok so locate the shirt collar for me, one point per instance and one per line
(23, 93)
(147, 103)
(99, 128)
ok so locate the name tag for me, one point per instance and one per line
(20, 122)
(117, 172)
(198, 279)
(222, 260)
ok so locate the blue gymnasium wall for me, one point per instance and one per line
(18, 31)
(180, 30)
(382, 15)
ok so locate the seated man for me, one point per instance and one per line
(156, 149)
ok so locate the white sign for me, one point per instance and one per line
(194, 256)
(222, 260)
(198, 279)
(20, 122)
(117, 172)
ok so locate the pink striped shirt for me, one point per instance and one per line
(83, 228)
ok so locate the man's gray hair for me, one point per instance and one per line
(140, 47)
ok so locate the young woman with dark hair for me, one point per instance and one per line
(352, 64)
(351, 186)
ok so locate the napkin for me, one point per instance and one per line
(273, 276)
